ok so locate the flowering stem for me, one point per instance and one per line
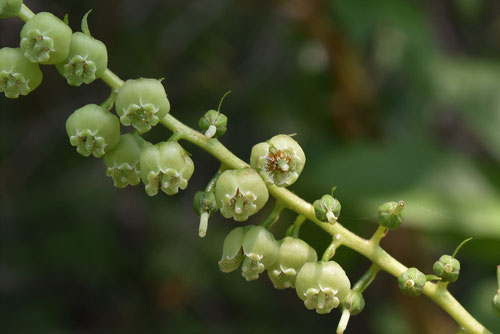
(273, 216)
(367, 248)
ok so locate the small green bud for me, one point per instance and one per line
(327, 209)
(205, 205)
(142, 103)
(448, 268)
(204, 201)
(232, 252)
(18, 76)
(322, 285)
(10, 8)
(87, 60)
(260, 250)
(93, 130)
(240, 193)
(389, 214)
(213, 124)
(354, 302)
(165, 166)
(279, 161)
(45, 39)
(412, 282)
(293, 254)
(122, 163)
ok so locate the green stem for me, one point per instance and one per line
(332, 248)
(296, 225)
(211, 184)
(111, 79)
(367, 278)
(380, 233)
(25, 13)
(273, 216)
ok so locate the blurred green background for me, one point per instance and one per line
(390, 99)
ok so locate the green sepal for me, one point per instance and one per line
(412, 282)
(327, 209)
(322, 285)
(240, 193)
(260, 249)
(93, 130)
(123, 162)
(447, 267)
(45, 39)
(87, 60)
(389, 214)
(293, 254)
(232, 252)
(18, 76)
(495, 303)
(354, 302)
(142, 103)
(279, 161)
(165, 166)
(213, 124)
(204, 201)
(10, 8)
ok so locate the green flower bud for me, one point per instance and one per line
(45, 39)
(240, 193)
(213, 124)
(10, 8)
(354, 302)
(412, 282)
(279, 160)
(447, 267)
(232, 251)
(389, 214)
(293, 254)
(122, 163)
(260, 250)
(322, 285)
(18, 76)
(327, 209)
(87, 60)
(166, 166)
(93, 130)
(142, 103)
(204, 201)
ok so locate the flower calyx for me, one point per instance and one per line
(123, 162)
(354, 302)
(142, 103)
(412, 282)
(165, 166)
(93, 130)
(87, 60)
(18, 76)
(279, 161)
(45, 39)
(447, 268)
(322, 285)
(240, 193)
(254, 247)
(293, 254)
(10, 8)
(327, 209)
(389, 214)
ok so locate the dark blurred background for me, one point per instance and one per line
(390, 100)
